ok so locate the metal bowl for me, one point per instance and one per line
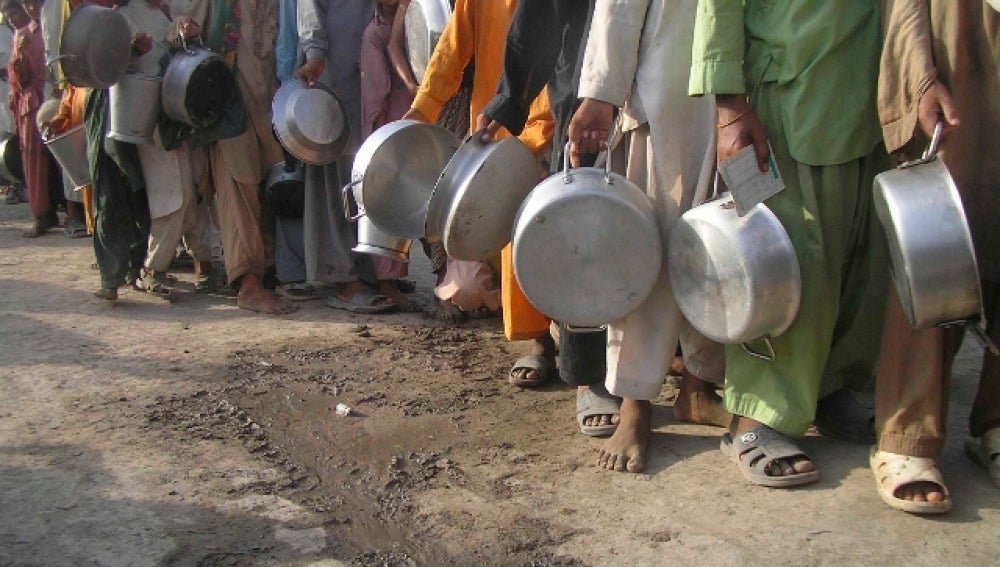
(310, 122)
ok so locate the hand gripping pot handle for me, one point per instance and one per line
(347, 195)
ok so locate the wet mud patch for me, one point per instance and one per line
(430, 419)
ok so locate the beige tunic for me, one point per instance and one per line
(964, 55)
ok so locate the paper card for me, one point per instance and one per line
(747, 183)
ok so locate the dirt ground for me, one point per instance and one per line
(194, 433)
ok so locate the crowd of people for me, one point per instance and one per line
(832, 93)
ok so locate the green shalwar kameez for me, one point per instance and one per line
(809, 68)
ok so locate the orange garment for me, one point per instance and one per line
(70, 115)
(477, 31)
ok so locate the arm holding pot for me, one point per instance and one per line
(455, 48)
(312, 39)
(717, 68)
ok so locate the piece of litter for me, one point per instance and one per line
(342, 409)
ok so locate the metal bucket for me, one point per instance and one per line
(135, 108)
(11, 168)
(372, 240)
(70, 150)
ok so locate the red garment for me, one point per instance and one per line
(26, 73)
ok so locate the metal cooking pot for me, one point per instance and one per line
(11, 168)
(933, 262)
(95, 47)
(70, 150)
(397, 167)
(197, 86)
(736, 279)
(477, 195)
(424, 23)
(586, 246)
(283, 192)
(310, 122)
(135, 109)
(371, 240)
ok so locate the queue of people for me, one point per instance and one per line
(832, 94)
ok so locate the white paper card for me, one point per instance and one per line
(748, 184)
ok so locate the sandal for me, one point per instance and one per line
(530, 362)
(298, 291)
(595, 401)
(985, 452)
(893, 471)
(76, 229)
(149, 283)
(754, 451)
(364, 302)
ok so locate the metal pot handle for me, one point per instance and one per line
(568, 177)
(586, 329)
(984, 339)
(768, 356)
(346, 194)
(930, 154)
(184, 44)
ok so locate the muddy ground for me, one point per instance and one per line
(194, 433)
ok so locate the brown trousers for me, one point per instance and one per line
(911, 404)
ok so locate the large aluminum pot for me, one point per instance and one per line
(197, 86)
(70, 150)
(95, 47)
(310, 122)
(283, 192)
(424, 23)
(11, 168)
(586, 246)
(135, 109)
(933, 262)
(736, 279)
(371, 240)
(397, 167)
(480, 190)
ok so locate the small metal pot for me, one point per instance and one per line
(11, 167)
(95, 47)
(310, 122)
(283, 192)
(424, 23)
(397, 167)
(477, 196)
(70, 150)
(371, 240)
(933, 261)
(197, 86)
(135, 109)
(586, 246)
(736, 279)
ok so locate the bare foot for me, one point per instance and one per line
(920, 492)
(255, 297)
(41, 226)
(448, 312)
(780, 467)
(390, 289)
(699, 403)
(107, 294)
(543, 346)
(626, 449)
(599, 419)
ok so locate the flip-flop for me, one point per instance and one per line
(535, 362)
(893, 471)
(364, 302)
(297, 291)
(985, 452)
(753, 451)
(595, 401)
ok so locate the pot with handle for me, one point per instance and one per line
(310, 122)
(197, 86)
(477, 195)
(397, 167)
(135, 109)
(930, 247)
(70, 150)
(424, 23)
(736, 279)
(371, 240)
(11, 167)
(586, 246)
(95, 47)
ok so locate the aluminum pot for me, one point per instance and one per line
(736, 279)
(283, 192)
(95, 47)
(11, 167)
(197, 86)
(397, 167)
(586, 246)
(930, 246)
(371, 240)
(310, 122)
(424, 23)
(477, 195)
(70, 150)
(135, 109)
